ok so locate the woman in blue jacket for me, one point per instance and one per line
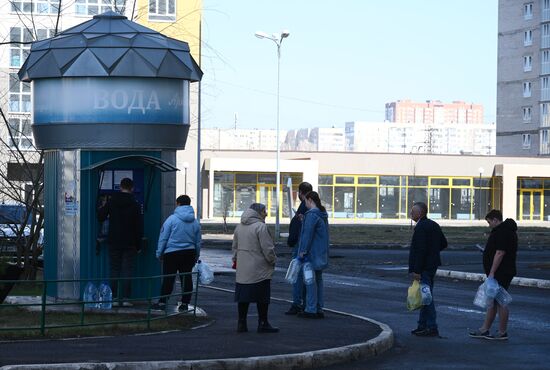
(179, 249)
(314, 245)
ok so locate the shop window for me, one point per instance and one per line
(325, 179)
(439, 181)
(345, 180)
(363, 180)
(389, 201)
(267, 178)
(246, 178)
(418, 181)
(462, 182)
(344, 200)
(389, 180)
(461, 204)
(531, 183)
(325, 194)
(226, 177)
(439, 203)
(366, 202)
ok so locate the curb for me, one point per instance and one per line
(473, 276)
(304, 360)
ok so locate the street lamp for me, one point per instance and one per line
(278, 40)
(480, 170)
(185, 167)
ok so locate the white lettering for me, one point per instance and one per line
(100, 99)
(137, 102)
(119, 96)
(153, 100)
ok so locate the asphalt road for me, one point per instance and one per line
(373, 283)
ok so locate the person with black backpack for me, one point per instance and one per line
(424, 259)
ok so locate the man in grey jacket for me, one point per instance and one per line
(179, 249)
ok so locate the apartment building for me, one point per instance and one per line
(240, 139)
(523, 78)
(434, 111)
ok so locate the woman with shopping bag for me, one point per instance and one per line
(313, 250)
(254, 258)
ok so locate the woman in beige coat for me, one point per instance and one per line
(254, 257)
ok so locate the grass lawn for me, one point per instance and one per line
(16, 317)
(383, 235)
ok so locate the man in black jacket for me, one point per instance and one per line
(424, 259)
(294, 230)
(124, 236)
(499, 263)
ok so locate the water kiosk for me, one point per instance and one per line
(110, 100)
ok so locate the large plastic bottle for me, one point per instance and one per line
(105, 296)
(309, 274)
(491, 287)
(90, 296)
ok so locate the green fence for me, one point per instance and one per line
(80, 305)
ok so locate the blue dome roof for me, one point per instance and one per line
(110, 45)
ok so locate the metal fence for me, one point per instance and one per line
(82, 306)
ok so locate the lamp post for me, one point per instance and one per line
(480, 170)
(278, 40)
(185, 167)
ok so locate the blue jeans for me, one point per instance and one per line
(314, 294)
(428, 315)
(298, 298)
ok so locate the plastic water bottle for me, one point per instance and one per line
(426, 294)
(105, 296)
(309, 275)
(503, 297)
(90, 295)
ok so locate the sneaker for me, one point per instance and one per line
(479, 334)
(158, 307)
(184, 307)
(320, 315)
(293, 310)
(498, 336)
(428, 333)
(308, 315)
(417, 330)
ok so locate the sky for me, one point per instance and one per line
(343, 59)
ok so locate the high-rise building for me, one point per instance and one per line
(433, 111)
(523, 77)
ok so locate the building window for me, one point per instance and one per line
(21, 133)
(20, 95)
(162, 10)
(24, 36)
(545, 56)
(546, 4)
(528, 38)
(526, 141)
(35, 6)
(527, 89)
(544, 137)
(526, 114)
(528, 11)
(527, 63)
(93, 7)
(544, 83)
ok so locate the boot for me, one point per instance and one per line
(265, 327)
(241, 326)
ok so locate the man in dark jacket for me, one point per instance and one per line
(424, 259)
(124, 236)
(294, 231)
(499, 262)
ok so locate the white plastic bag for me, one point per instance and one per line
(426, 294)
(206, 275)
(481, 299)
(309, 274)
(491, 287)
(293, 271)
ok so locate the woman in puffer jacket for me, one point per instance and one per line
(254, 257)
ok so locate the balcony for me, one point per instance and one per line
(545, 15)
(545, 68)
(545, 120)
(545, 41)
(545, 94)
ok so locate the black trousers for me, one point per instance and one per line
(122, 264)
(182, 262)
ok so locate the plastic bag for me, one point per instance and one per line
(426, 294)
(293, 271)
(309, 274)
(414, 297)
(503, 297)
(491, 287)
(206, 275)
(481, 299)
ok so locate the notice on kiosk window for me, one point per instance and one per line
(107, 180)
(119, 175)
(71, 205)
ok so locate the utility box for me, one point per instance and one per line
(110, 100)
